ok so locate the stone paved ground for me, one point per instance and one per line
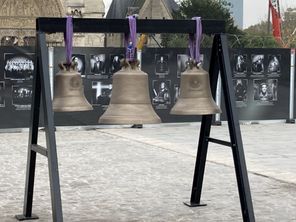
(125, 174)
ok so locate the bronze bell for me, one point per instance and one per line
(130, 100)
(195, 93)
(69, 90)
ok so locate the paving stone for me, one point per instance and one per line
(125, 174)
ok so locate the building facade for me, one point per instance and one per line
(17, 20)
(150, 9)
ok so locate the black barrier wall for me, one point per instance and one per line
(260, 80)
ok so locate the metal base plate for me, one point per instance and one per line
(217, 123)
(23, 217)
(292, 121)
(189, 204)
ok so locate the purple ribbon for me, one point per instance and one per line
(130, 39)
(68, 37)
(195, 40)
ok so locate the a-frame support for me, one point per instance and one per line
(41, 87)
(220, 61)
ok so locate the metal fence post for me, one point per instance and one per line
(292, 89)
(218, 101)
(51, 68)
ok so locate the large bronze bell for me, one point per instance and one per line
(69, 90)
(195, 93)
(130, 100)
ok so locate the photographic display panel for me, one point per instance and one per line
(260, 82)
(17, 66)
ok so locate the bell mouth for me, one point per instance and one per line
(122, 114)
(195, 106)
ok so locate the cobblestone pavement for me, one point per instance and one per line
(125, 174)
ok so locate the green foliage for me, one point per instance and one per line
(209, 9)
(256, 36)
(206, 9)
(253, 41)
(260, 33)
(289, 28)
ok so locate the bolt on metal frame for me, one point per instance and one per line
(41, 87)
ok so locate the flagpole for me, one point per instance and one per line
(268, 18)
(280, 16)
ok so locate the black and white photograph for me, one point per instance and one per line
(21, 96)
(18, 67)
(98, 64)
(182, 60)
(101, 93)
(161, 64)
(2, 97)
(240, 89)
(80, 61)
(274, 64)
(115, 63)
(257, 64)
(176, 92)
(240, 63)
(161, 92)
(265, 90)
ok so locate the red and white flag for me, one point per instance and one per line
(276, 20)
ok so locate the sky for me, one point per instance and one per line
(254, 10)
(257, 10)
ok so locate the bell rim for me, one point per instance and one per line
(73, 109)
(118, 120)
(179, 109)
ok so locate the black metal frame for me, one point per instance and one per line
(41, 86)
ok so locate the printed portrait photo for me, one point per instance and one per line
(274, 64)
(101, 93)
(115, 63)
(265, 90)
(182, 62)
(161, 64)
(97, 64)
(240, 89)
(176, 92)
(79, 60)
(161, 91)
(257, 64)
(240, 63)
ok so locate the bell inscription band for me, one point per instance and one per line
(69, 90)
(130, 100)
(195, 93)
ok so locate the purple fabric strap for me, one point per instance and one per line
(68, 36)
(195, 40)
(131, 38)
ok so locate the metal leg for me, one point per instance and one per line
(54, 180)
(33, 138)
(220, 61)
(42, 87)
(204, 134)
(235, 133)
